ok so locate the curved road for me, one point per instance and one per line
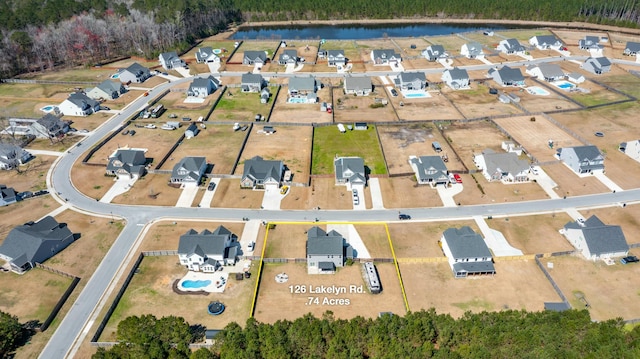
(76, 324)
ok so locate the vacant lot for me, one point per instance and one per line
(611, 291)
(534, 234)
(432, 285)
(351, 108)
(569, 184)
(80, 74)
(153, 190)
(31, 177)
(374, 237)
(404, 192)
(323, 193)
(53, 93)
(229, 195)
(436, 107)
(421, 240)
(300, 112)
(522, 35)
(329, 143)
(472, 138)
(477, 102)
(238, 106)
(272, 295)
(292, 145)
(622, 82)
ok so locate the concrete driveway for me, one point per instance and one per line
(446, 194)
(376, 193)
(495, 240)
(361, 206)
(119, 187)
(272, 198)
(352, 236)
(182, 71)
(607, 181)
(544, 181)
(187, 196)
(205, 202)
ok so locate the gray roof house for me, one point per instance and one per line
(632, 48)
(252, 82)
(203, 86)
(107, 90)
(336, 58)
(471, 50)
(435, 52)
(135, 73)
(582, 159)
(288, 57)
(191, 131)
(35, 242)
(12, 156)
(7, 195)
(456, 78)
(207, 251)
(510, 47)
(254, 57)
(430, 170)
(544, 42)
(206, 55)
(127, 163)
(596, 240)
(49, 126)
(350, 171)
(189, 171)
(326, 251)
(505, 167)
(170, 60)
(466, 252)
(79, 104)
(259, 173)
(303, 89)
(385, 57)
(590, 43)
(546, 72)
(596, 65)
(507, 76)
(358, 85)
(412, 81)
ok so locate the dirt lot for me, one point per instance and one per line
(153, 190)
(300, 112)
(611, 291)
(292, 145)
(626, 217)
(569, 184)
(436, 107)
(229, 195)
(477, 102)
(403, 192)
(24, 211)
(404, 238)
(238, 106)
(323, 193)
(279, 295)
(473, 138)
(432, 285)
(350, 108)
(535, 103)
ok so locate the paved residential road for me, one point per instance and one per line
(74, 327)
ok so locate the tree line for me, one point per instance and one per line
(424, 334)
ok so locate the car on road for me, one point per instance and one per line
(394, 93)
(457, 178)
(403, 217)
(212, 186)
(629, 259)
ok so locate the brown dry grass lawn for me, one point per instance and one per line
(288, 241)
(436, 107)
(152, 190)
(534, 234)
(374, 237)
(229, 195)
(421, 240)
(323, 193)
(477, 102)
(165, 235)
(32, 175)
(625, 217)
(22, 212)
(299, 112)
(569, 184)
(404, 192)
(472, 138)
(350, 108)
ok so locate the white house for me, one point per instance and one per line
(350, 172)
(546, 72)
(107, 90)
(207, 251)
(631, 149)
(170, 60)
(203, 86)
(582, 159)
(511, 47)
(456, 78)
(385, 57)
(505, 167)
(434, 53)
(543, 42)
(597, 65)
(206, 55)
(576, 78)
(472, 50)
(466, 252)
(429, 170)
(78, 104)
(596, 240)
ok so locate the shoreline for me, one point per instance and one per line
(428, 20)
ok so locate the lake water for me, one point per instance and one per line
(357, 31)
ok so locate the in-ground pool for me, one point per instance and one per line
(297, 100)
(535, 90)
(115, 76)
(47, 108)
(216, 51)
(564, 85)
(195, 283)
(415, 95)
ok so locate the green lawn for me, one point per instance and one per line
(329, 142)
(625, 83)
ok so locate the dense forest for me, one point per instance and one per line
(425, 334)
(41, 34)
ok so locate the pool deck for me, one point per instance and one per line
(213, 277)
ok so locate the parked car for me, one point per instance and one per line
(457, 178)
(84, 131)
(25, 194)
(394, 93)
(132, 132)
(403, 216)
(212, 186)
(629, 259)
(151, 125)
(251, 246)
(125, 132)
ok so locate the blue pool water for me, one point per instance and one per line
(565, 85)
(196, 283)
(47, 108)
(297, 100)
(115, 76)
(216, 51)
(537, 91)
(415, 95)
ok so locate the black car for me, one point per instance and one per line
(394, 93)
(212, 186)
(403, 216)
(132, 132)
(629, 259)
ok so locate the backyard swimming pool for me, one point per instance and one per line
(564, 85)
(535, 90)
(47, 108)
(297, 100)
(193, 284)
(217, 51)
(415, 95)
(115, 76)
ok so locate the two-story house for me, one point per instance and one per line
(466, 252)
(207, 251)
(326, 251)
(582, 159)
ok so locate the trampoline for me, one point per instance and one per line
(282, 278)
(215, 308)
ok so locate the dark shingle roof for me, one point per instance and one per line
(601, 238)
(36, 241)
(465, 243)
(320, 242)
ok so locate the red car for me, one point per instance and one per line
(457, 178)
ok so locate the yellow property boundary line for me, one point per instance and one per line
(264, 246)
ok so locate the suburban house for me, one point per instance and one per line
(326, 251)
(511, 47)
(189, 171)
(207, 251)
(254, 58)
(350, 172)
(546, 72)
(505, 167)
(191, 131)
(135, 73)
(430, 170)
(78, 104)
(582, 159)
(596, 240)
(631, 149)
(336, 58)
(510, 146)
(472, 50)
(203, 86)
(590, 43)
(466, 252)
(107, 90)
(507, 76)
(632, 48)
(12, 156)
(456, 78)
(385, 57)
(252, 83)
(288, 57)
(596, 65)
(127, 163)
(576, 77)
(35, 242)
(544, 42)
(261, 174)
(358, 85)
(49, 126)
(412, 81)
(7, 195)
(303, 89)
(206, 55)
(265, 95)
(434, 53)
(170, 60)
